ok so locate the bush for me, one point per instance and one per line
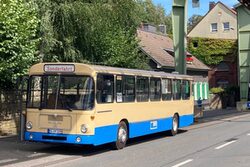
(217, 90)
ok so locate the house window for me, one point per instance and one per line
(222, 67)
(214, 27)
(223, 83)
(195, 44)
(226, 26)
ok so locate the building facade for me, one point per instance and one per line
(220, 22)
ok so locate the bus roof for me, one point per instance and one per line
(86, 69)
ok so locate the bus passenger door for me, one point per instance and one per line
(104, 99)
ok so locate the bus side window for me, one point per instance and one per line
(176, 89)
(125, 88)
(166, 89)
(142, 89)
(105, 88)
(155, 89)
(185, 89)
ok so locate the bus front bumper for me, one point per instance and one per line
(102, 135)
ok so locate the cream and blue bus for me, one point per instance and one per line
(75, 103)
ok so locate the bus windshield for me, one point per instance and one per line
(61, 92)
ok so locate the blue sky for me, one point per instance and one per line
(202, 10)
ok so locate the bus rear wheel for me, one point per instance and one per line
(122, 136)
(175, 125)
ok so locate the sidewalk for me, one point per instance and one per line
(212, 115)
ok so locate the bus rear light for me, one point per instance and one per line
(29, 125)
(84, 128)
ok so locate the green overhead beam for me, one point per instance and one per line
(179, 33)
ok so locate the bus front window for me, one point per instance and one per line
(61, 92)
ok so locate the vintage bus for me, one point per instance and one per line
(77, 103)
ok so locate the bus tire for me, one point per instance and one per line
(175, 125)
(122, 136)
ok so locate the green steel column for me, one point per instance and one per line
(179, 33)
(243, 15)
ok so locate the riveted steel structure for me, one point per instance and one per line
(179, 33)
(243, 15)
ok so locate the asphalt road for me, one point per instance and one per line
(217, 143)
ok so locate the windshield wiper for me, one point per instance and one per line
(70, 109)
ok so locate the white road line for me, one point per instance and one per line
(35, 155)
(224, 145)
(7, 160)
(248, 134)
(183, 163)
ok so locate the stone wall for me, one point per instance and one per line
(9, 112)
(9, 127)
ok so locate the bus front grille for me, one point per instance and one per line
(61, 138)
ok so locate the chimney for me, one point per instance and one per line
(162, 29)
(211, 5)
(149, 28)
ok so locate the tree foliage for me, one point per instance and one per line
(193, 20)
(18, 25)
(93, 31)
(89, 31)
(212, 51)
(154, 14)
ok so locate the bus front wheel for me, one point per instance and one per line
(122, 136)
(175, 125)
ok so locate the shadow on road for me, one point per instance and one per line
(75, 150)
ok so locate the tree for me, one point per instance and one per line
(18, 25)
(193, 20)
(154, 14)
(93, 31)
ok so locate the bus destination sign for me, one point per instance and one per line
(59, 68)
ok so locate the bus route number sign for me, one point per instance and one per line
(59, 68)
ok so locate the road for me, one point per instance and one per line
(217, 143)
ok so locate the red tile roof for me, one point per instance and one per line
(155, 46)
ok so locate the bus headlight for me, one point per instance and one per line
(84, 128)
(29, 125)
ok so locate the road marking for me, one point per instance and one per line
(7, 160)
(224, 145)
(35, 155)
(45, 161)
(183, 163)
(248, 134)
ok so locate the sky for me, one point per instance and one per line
(202, 10)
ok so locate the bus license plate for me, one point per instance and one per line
(55, 131)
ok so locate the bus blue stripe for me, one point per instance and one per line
(186, 120)
(144, 128)
(106, 134)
